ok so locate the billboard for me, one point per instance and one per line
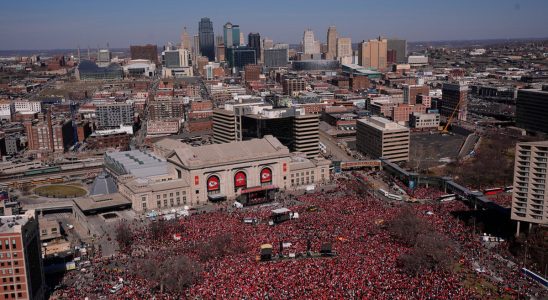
(266, 175)
(240, 179)
(213, 183)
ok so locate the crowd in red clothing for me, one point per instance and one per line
(504, 199)
(364, 266)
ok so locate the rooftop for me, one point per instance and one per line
(103, 185)
(101, 202)
(136, 163)
(229, 153)
(13, 224)
(382, 124)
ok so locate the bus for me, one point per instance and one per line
(493, 191)
(394, 197)
(383, 192)
(448, 197)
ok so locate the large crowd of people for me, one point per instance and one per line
(353, 222)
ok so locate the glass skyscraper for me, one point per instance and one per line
(207, 39)
(231, 35)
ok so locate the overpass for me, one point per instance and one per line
(413, 180)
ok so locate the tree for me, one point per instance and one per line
(158, 229)
(406, 226)
(219, 246)
(172, 273)
(431, 252)
(124, 236)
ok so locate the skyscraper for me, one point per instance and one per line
(400, 46)
(185, 40)
(528, 195)
(274, 58)
(310, 45)
(242, 39)
(207, 39)
(231, 35)
(344, 50)
(254, 42)
(331, 42)
(266, 43)
(454, 99)
(372, 54)
(532, 109)
(21, 261)
(239, 57)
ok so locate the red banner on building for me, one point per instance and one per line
(240, 179)
(285, 167)
(266, 175)
(196, 180)
(213, 183)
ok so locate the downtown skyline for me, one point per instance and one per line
(28, 24)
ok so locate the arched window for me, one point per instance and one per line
(240, 180)
(213, 185)
(266, 176)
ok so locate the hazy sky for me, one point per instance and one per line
(39, 24)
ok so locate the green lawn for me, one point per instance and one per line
(60, 191)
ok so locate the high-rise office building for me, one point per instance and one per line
(254, 42)
(454, 100)
(175, 58)
(195, 47)
(207, 38)
(530, 188)
(291, 126)
(21, 267)
(220, 48)
(310, 45)
(266, 43)
(380, 137)
(239, 57)
(231, 35)
(372, 54)
(242, 39)
(532, 109)
(331, 42)
(344, 50)
(275, 58)
(185, 40)
(112, 115)
(148, 51)
(410, 92)
(400, 48)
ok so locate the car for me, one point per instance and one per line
(116, 288)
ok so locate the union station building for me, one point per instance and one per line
(176, 174)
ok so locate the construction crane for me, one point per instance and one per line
(452, 116)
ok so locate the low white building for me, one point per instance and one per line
(140, 67)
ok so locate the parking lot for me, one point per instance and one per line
(429, 150)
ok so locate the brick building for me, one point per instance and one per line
(21, 269)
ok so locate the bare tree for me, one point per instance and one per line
(406, 226)
(432, 251)
(124, 236)
(158, 229)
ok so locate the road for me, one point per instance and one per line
(332, 148)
